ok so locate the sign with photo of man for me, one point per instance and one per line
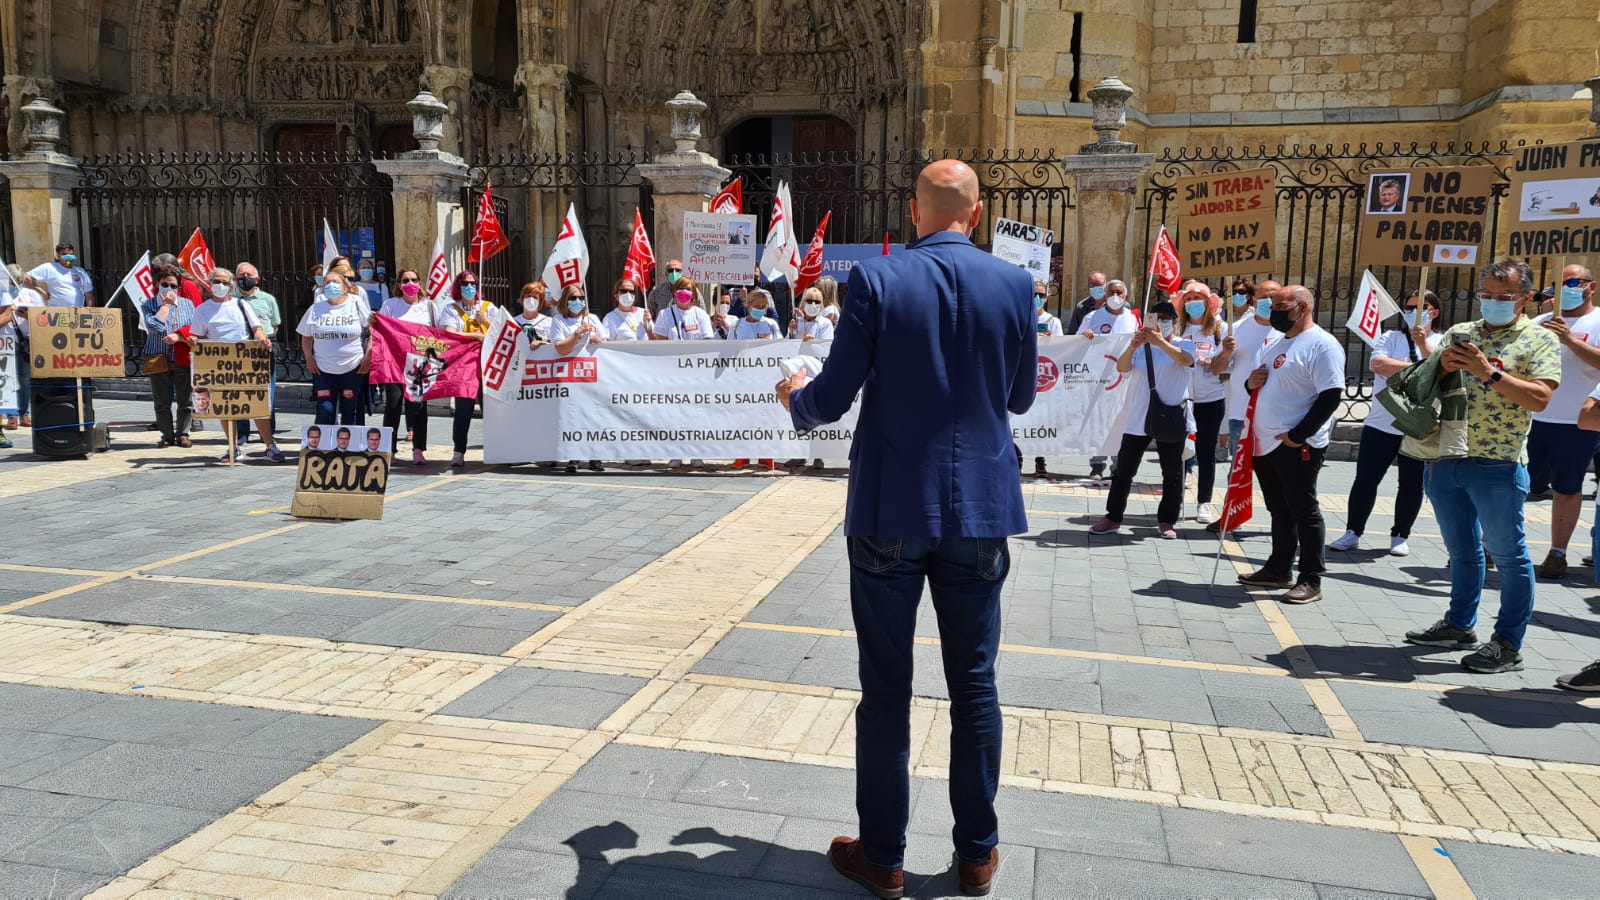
(343, 472)
(1425, 216)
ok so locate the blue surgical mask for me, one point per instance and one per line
(382, 270)
(469, 292)
(69, 258)
(1498, 312)
(1264, 308)
(1571, 298)
(1038, 301)
(1194, 309)
(1241, 299)
(672, 276)
(321, 279)
(574, 306)
(1098, 292)
(1410, 318)
(757, 313)
(332, 291)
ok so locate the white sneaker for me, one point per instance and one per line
(1350, 541)
(1399, 547)
(458, 460)
(1205, 515)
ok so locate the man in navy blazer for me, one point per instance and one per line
(940, 341)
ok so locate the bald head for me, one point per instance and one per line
(1266, 289)
(947, 198)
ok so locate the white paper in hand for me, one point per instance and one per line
(810, 365)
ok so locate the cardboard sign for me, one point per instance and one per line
(343, 472)
(1227, 222)
(72, 342)
(231, 380)
(1555, 200)
(1425, 217)
(8, 374)
(1024, 245)
(719, 249)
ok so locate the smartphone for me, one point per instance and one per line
(1458, 339)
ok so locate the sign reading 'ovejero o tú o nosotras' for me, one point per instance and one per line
(1227, 222)
(69, 342)
(1425, 217)
(1555, 200)
(231, 380)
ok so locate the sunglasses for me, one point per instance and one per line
(410, 281)
(1576, 282)
(169, 287)
(670, 269)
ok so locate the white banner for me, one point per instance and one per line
(715, 400)
(718, 248)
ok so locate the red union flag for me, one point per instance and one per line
(438, 270)
(811, 266)
(487, 236)
(730, 200)
(1164, 263)
(195, 257)
(641, 262)
(1372, 305)
(1238, 505)
(569, 262)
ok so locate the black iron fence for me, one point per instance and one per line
(1320, 192)
(261, 208)
(8, 242)
(531, 197)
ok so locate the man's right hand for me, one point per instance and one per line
(1256, 379)
(1088, 333)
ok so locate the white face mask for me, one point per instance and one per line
(1114, 302)
(813, 309)
(625, 300)
(530, 304)
(722, 309)
(220, 291)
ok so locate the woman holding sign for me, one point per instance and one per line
(166, 357)
(333, 336)
(228, 319)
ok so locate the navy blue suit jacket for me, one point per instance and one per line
(942, 339)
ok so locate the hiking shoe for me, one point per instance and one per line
(1553, 566)
(1105, 526)
(977, 878)
(1264, 578)
(1350, 541)
(1494, 655)
(1443, 634)
(1587, 680)
(1399, 547)
(849, 858)
(1303, 593)
(1205, 515)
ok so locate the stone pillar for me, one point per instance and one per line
(683, 180)
(41, 187)
(427, 190)
(1107, 174)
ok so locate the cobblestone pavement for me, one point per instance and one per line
(641, 683)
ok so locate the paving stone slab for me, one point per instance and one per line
(546, 697)
(1062, 874)
(1503, 873)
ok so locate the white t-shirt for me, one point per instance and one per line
(6, 300)
(418, 313)
(27, 298)
(1172, 383)
(1047, 325)
(229, 320)
(1250, 339)
(831, 313)
(1206, 387)
(692, 324)
(818, 329)
(1393, 345)
(1298, 369)
(562, 328)
(335, 333)
(625, 326)
(67, 286)
(1103, 321)
(746, 330)
(1578, 379)
(538, 324)
(450, 315)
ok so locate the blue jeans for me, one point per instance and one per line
(340, 395)
(965, 576)
(1479, 503)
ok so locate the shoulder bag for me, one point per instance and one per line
(1164, 423)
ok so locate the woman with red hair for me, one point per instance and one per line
(1198, 321)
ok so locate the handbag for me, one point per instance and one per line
(1164, 423)
(157, 364)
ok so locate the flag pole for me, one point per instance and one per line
(1150, 278)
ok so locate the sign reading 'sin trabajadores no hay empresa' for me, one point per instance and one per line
(1227, 223)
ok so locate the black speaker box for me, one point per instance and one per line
(55, 418)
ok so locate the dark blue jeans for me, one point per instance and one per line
(340, 395)
(965, 576)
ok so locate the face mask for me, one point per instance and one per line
(672, 277)
(247, 284)
(1038, 301)
(722, 309)
(1194, 309)
(366, 274)
(333, 290)
(1097, 292)
(69, 259)
(625, 300)
(411, 289)
(1571, 297)
(221, 290)
(1114, 302)
(757, 314)
(321, 279)
(469, 292)
(1283, 319)
(1165, 327)
(1264, 308)
(382, 271)
(17, 291)
(813, 309)
(1410, 318)
(1498, 312)
(575, 305)
(1241, 299)
(167, 293)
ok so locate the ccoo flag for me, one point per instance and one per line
(487, 236)
(781, 258)
(195, 257)
(1164, 264)
(1372, 305)
(140, 286)
(730, 200)
(811, 266)
(641, 262)
(438, 270)
(569, 262)
(1238, 504)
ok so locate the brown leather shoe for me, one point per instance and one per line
(850, 858)
(976, 878)
(1303, 593)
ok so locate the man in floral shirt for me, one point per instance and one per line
(1510, 368)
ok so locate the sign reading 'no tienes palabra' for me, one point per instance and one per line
(1425, 217)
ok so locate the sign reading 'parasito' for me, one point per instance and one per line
(1555, 200)
(1425, 217)
(1227, 222)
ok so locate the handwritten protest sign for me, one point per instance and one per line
(719, 248)
(231, 380)
(1227, 222)
(343, 472)
(1024, 245)
(69, 342)
(1555, 200)
(1425, 217)
(8, 374)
